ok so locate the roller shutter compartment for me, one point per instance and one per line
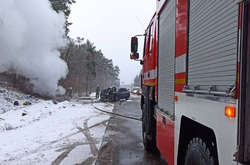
(167, 58)
(213, 37)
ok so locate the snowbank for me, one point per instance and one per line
(64, 132)
(7, 99)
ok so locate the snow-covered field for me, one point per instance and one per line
(46, 133)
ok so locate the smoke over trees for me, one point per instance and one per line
(29, 42)
(36, 50)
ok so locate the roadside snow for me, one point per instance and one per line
(64, 133)
(7, 99)
(134, 96)
(76, 156)
(105, 106)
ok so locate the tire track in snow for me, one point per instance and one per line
(88, 161)
(48, 146)
(61, 157)
(89, 141)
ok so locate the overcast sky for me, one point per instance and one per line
(110, 24)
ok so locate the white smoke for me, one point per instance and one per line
(30, 34)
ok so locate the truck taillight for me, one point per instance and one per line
(230, 111)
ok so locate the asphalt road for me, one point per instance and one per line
(122, 144)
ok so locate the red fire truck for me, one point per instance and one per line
(196, 82)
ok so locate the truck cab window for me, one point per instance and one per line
(147, 42)
(151, 37)
(145, 46)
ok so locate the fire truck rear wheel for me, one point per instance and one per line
(148, 141)
(149, 138)
(198, 153)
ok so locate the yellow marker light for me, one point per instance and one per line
(230, 111)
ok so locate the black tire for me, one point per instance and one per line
(149, 126)
(198, 153)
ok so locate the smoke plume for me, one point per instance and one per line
(30, 34)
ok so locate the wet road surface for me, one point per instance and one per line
(122, 144)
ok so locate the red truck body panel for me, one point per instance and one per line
(168, 129)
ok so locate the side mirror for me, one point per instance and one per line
(134, 48)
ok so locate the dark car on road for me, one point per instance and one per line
(123, 93)
(111, 94)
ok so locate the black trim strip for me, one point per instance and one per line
(187, 52)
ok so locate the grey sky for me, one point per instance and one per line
(110, 24)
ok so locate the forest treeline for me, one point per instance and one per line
(88, 67)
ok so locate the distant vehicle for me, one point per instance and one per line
(108, 94)
(136, 90)
(122, 93)
(111, 94)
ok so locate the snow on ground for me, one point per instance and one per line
(47, 133)
(7, 98)
(86, 99)
(134, 96)
(93, 95)
(105, 106)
